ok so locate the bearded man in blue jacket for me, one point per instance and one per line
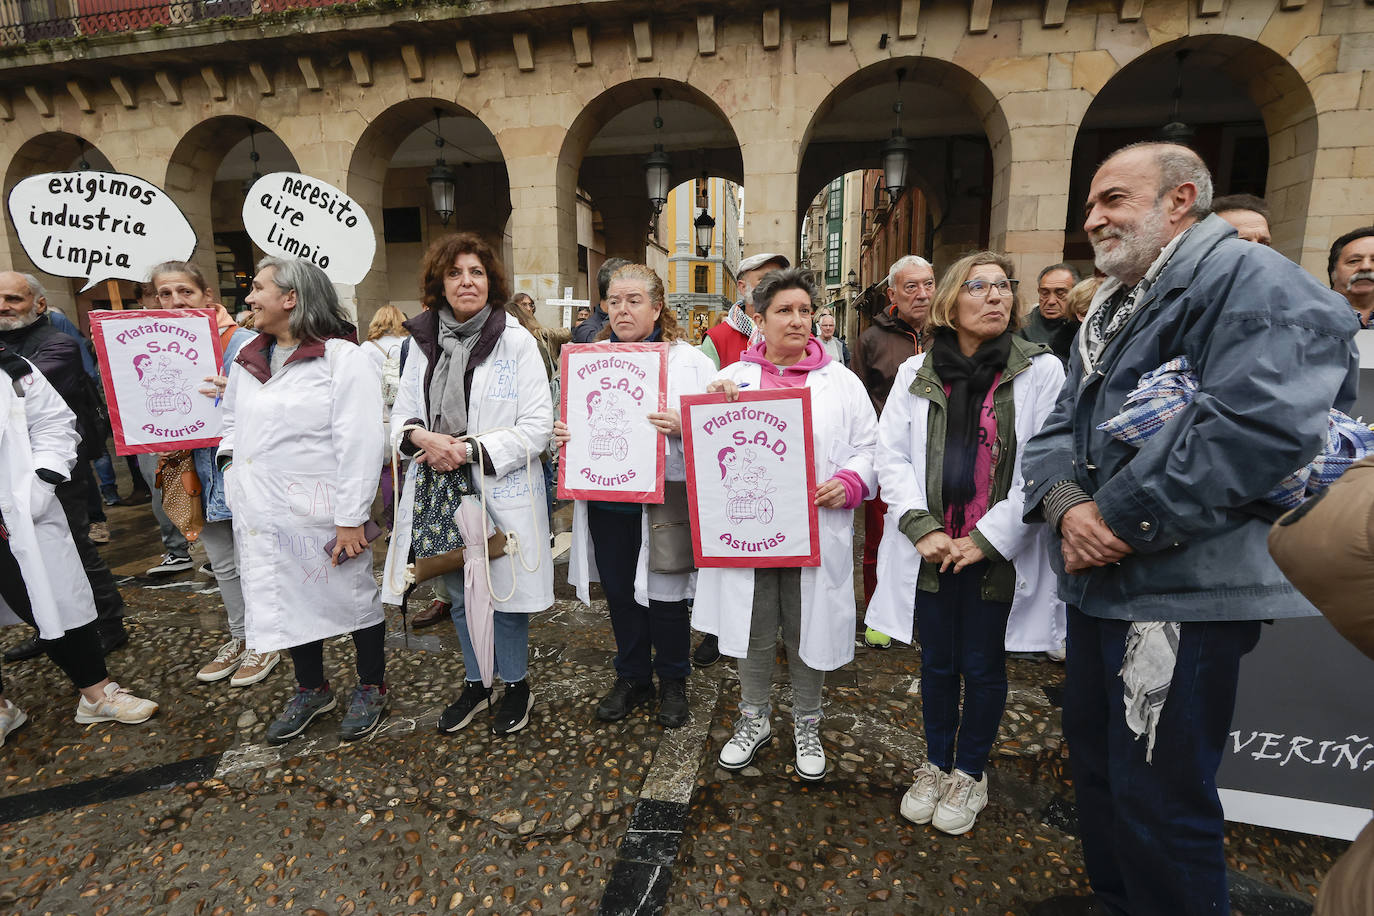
(1161, 547)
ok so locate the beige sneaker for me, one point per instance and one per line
(255, 667)
(11, 717)
(960, 803)
(117, 705)
(99, 533)
(918, 804)
(225, 662)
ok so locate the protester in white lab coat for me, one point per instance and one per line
(472, 370)
(38, 442)
(301, 453)
(649, 610)
(814, 606)
(954, 547)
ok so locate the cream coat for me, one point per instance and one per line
(511, 413)
(1037, 615)
(39, 431)
(844, 433)
(689, 372)
(307, 449)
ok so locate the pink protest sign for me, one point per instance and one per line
(615, 454)
(153, 363)
(751, 478)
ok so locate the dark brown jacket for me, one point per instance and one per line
(880, 352)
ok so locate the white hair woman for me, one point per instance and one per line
(301, 452)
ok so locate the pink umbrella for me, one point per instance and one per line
(472, 525)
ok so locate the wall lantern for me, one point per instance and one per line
(443, 181)
(658, 172)
(897, 151)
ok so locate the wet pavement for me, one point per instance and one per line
(192, 813)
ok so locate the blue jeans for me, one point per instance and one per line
(104, 470)
(1152, 832)
(647, 639)
(962, 636)
(511, 633)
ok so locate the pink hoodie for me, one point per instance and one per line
(794, 376)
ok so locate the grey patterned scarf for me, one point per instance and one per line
(448, 401)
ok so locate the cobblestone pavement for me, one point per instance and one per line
(192, 814)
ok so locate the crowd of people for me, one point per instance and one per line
(1000, 514)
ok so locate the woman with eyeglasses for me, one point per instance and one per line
(954, 546)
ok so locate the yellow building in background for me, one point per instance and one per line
(700, 279)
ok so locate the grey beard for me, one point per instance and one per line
(14, 324)
(1139, 246)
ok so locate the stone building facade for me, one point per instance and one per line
(778, 98)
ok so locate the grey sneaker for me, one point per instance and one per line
(300, 711)
(365, 710)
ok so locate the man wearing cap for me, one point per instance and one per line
(1351, 269)
(728, 340)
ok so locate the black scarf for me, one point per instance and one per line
(968, 378)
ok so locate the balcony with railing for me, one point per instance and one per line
(25, 21)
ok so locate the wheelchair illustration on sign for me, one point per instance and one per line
(749, 498)
(608, 425)
(164, 385)
(613, 446)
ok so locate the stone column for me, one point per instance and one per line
(543, 224)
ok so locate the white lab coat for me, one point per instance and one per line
(307, 449)
(844, 432)
(1037, 615)
(689, 372)
(39, 431)
(511, 414)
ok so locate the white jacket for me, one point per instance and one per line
(844, 432)
(511, 414)
(39, 431)
(307, 449)
(1037, 614)
(689, 372)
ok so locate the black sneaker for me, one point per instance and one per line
(625, 697)
(513, 713)
(474, 699)
(672, 704)
(707, 652)
(300, 711)
(29, 648)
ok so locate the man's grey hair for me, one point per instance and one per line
(905, 261)
(35, 288)
(318, 314)
(1178, 165)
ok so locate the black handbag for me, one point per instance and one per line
(434, 533)
(670, 531)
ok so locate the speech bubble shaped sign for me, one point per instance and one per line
(295, 216)
(98, 225)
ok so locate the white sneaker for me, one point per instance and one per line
(751, 733)
(918, 804)
(254, 667)
(117, 705)
(169, 565)
(958, 807)
(806, 733)
(11, 717)
(1059, 654)
(225, 662)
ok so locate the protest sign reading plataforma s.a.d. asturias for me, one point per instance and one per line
(98, 225)
(153, 364)
(751, 478)
(290, 215)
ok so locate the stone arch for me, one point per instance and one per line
(697, 135)
(1244, 95)
(483, 201)
(52, 151)
(213, 205)
(956, 118)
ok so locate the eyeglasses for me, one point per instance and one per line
(979, 289)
